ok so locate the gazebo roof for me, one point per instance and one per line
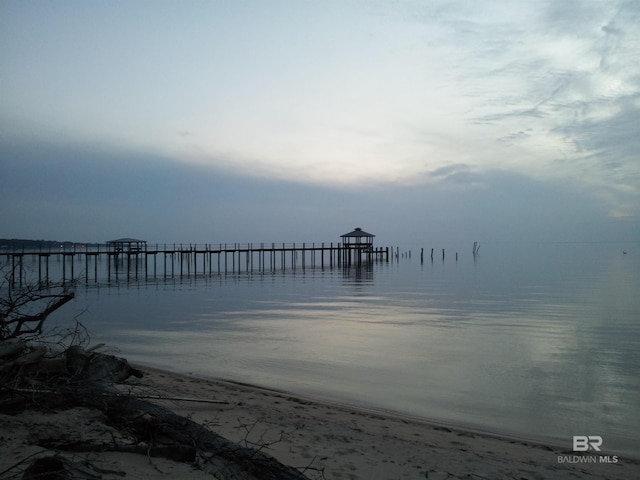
(127, 240)
(358, 232)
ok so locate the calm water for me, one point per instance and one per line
(537, 341)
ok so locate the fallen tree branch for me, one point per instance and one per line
(33, 391)
(15, 326)
(92, 384)
(177, 399)
(178, 453)
(152, 420)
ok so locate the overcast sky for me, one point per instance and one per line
(428, 122)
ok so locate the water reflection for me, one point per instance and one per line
(541, 343)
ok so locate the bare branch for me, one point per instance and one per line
(23, 310)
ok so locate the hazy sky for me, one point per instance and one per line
(435, 122)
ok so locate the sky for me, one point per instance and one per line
(433, 123)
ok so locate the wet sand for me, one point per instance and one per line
(326, 440)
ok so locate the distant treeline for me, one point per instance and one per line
(25, 244)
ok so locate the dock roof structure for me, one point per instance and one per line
(357, 233)
(358, 239)
(127, 244)
(127, 240)
(356, 244)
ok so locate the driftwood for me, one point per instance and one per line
(89, 379)
(61, 468)
(228, 459)
(179, 453)
(152, 422)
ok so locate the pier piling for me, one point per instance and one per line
(190, 260)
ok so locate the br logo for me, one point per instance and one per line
(583, 443)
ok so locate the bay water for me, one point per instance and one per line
(537, 341)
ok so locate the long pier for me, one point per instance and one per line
(170, 261)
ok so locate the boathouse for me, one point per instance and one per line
(128, 245)
(357, 243)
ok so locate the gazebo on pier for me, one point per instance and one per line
(356, 243)
(128, 245)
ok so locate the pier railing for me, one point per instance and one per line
(149, 261)
(172, 247)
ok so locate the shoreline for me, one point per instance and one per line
(380, 411)
(348, 441)
(325, 440)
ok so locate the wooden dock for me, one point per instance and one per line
(110, 263)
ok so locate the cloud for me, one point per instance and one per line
(458, 174)
(71, 192)
(320, 107)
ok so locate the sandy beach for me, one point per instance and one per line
(326, 441)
